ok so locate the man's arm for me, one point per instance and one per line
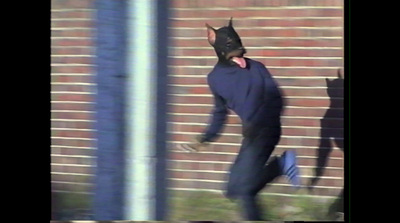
(217, 121)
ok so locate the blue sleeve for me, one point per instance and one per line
(218, 118)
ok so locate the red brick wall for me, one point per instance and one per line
(300, 42)
(72, 95)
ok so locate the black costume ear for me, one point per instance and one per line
(211, 34)
(327, 81)
(339, 75)
(230, 22)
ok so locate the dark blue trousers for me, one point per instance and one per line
(250, 172)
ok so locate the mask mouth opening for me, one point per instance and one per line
(236, 57)
(240, 61)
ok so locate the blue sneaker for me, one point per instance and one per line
(289, 167)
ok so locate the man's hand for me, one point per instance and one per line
(194, 146)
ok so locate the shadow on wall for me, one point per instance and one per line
(331, 134)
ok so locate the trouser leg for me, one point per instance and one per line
(267, 174)
(250, 208)
(267, 140)
(249, 173)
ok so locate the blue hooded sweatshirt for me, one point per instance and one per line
(250, 92)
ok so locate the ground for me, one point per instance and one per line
(214, 206)
(202, 206)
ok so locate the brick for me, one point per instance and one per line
(72, 60)
(285, 140)
(75, 151)
(311, 102)
(264, 22)
(72, 4)
(267, 62)
(308, 102)
(304, 112)
(76, 33)
(283, 75)
(72, 106)
(72, 97)
(72, 69)
(270, 32)
(59, 186)
(76, 78)
(73, 124)
(72, 23)
(71, 160)
(73, 142)
(227, 3)
(73, 133)
(197, 185)
(286, 121)
(71, 178)
(314, 113)
(265, 52)
(74, 14)
(72, 42)
(72, 51)
(278, 12)
(262, 42)
(72, 115)
(73, 88)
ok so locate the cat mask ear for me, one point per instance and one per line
(211, 34)
(230, 22)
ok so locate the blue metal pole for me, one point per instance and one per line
(110, 48)
(162, 43)
(131, 76)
